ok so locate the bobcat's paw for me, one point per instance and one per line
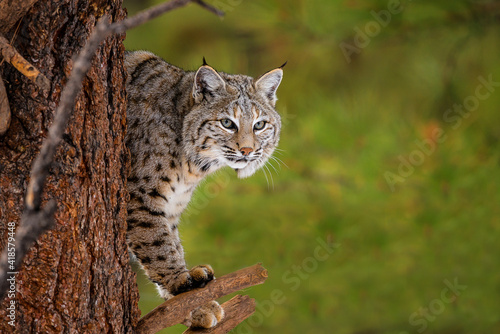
(206, 316)
(197, 277)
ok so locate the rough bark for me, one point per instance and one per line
(11, 11)
(76, 278)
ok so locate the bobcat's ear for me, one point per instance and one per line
(268, 83)
(206, 82)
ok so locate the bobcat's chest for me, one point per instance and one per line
(178, 192)
(179, 198)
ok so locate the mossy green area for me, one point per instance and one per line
(381, 213)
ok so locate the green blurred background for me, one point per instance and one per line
(389, 157)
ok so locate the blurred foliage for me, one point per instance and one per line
(355, 170)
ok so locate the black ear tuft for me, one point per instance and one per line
(204, 62)
(280, 66)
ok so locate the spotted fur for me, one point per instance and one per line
(183, 126)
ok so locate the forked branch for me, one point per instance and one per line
(176, 310)
(236, 310)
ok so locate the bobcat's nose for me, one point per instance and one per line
(246, 150)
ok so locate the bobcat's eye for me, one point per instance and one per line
(228, 124)
(259, 125)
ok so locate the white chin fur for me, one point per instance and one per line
(245, 172)
(237, 165)
(243, 168)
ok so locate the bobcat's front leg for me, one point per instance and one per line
(154, 240)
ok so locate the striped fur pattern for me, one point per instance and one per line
(183, 126)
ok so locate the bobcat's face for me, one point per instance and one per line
(248, 134)
(233, 121)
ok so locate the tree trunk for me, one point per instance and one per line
(76, 278)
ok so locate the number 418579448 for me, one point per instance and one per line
(11, 247)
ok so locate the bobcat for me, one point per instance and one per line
(183, 126)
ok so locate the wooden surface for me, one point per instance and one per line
(177, 309)
(236, 310)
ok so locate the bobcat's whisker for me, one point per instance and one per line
(269, 162)
(265, 175)
(279, 161)
(279, 151)
(270, 176)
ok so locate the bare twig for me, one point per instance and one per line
(11, 55)
(151, 13)
(214, 10)
(35, 219)
(236, 310)
(176, 310)
(4, 109)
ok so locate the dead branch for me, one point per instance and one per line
(209, 8)
(4, 109)
(176, 310)
(11, 55)
(37, 220)
(151, 13)
(236, 310)
(12, 11)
